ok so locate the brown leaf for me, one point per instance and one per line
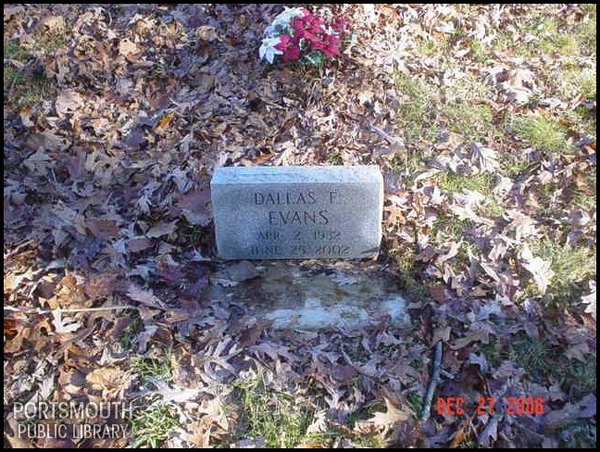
(54, 23)
(162, 229)
(126, 47)
(76, 165)
(540, 269)
(391, 417)
(102, 228)
(438, 294)
(146, 297)
(105, 377)
(556, 419)
(100, 286)
(208, 33)
(66, 102)
(251, 335)
(195, 206)
(138, 244)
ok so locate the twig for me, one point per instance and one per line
(390, 139)
(435, 379)
(66, 310)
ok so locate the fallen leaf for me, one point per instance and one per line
(162, 229)
(67, 102)
(126, 47)
(207, 32)
(390, 417)
(146, 297)
(105, 377)
(540, 269)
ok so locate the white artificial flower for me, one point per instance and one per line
(267, 49)
(283, 20)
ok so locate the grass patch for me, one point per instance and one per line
(417, 111)
(51, 41)
(336, 159)
(450, 181)
(151, 428)
(581, 81)
(432, 47)
(534, 355)
(410, 164)
(542, 133)
(370, 442)
(471, 120)
(154, 368)
(406, 275)
(273, 415)
(570, 264)
(414, 402)
(449, 228)
(580, 198)
(585, 35)
(550, 40)
(127, 337)
(23, 87)
(542, 360)
(580, 434)
(514, 165)
(478, 51)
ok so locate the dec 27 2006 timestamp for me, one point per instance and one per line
(513, 406)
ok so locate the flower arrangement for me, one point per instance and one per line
(299, 35)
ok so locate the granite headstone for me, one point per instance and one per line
(297, 212)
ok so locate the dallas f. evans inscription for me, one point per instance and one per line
(297, 212)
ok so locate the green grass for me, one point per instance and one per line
(579, 198)
(273, 415)
(415, 402)
(569, 263)
(432, 47)
(514, 165)
(585, 35)
(479, 53)
(471, 120)
(543, 134)
(417, 111)
(127, 337)
(572, 267)
(589, 8)
(156, 368)
(370, 442)
(579, 435)
(448, 228)
(151, 428)
(23, 89)
(534, 355)
(580, 81)
(406, 275)
(482, 183)
(336, 159)
(542, 360)
(51, 41)
(551, 40)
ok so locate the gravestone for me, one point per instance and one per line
(293, 212)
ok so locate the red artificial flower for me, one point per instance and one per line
(329, 45)
(340, 24)
(290, 47)
(306, 27)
